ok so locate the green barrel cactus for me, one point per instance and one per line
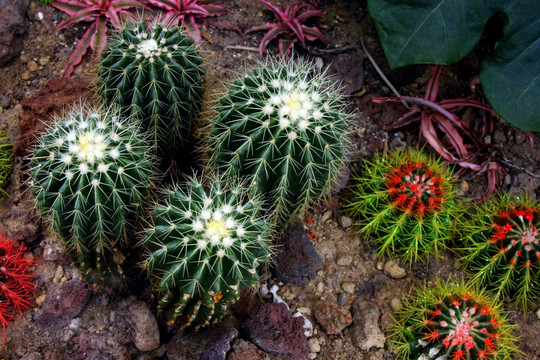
(406, 203)
(204, 247)
(154, 74)
(91, 172)
(6, 162)
(283, 127)
(504, 248)
(453, 322)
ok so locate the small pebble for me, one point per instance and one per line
(344, 260)
(349, 287)
(40, 299)
(44, 61)
(314, 345)
(392, 269)
(538, 313)
(25, 75)
(320, 287)
(32, 65)
(304, 310)
(345, 221)
(58, 274)
(380, 265)
(327, 215)
(396, 304)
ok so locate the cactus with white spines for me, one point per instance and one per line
(284, 128)
(503, 252)
(154, 73)
(91, 171)
(204, 247)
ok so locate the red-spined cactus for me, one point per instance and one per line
(17, 282)
(504, 248)
(406, 204)
(452, 322)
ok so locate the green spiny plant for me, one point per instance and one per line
(406, 202)
(154, 73)
(17, 282)
(6, 162)
(91, 172)
(284, 128)
(504, 248)
(454, 322)
(204, 247)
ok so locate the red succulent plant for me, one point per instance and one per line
(289, 26)
(17, 282)
(461, 145)
(99, 13)
(188, 12)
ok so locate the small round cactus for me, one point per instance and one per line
(406, 201)
(154, 74)
(453, 322)
(6, 162)
(283, 127)
(17, 281)
(91, 172)
(504, 251)
(204, 247)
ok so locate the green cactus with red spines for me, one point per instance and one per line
(453, 322)
(504, 248)
(406, 202)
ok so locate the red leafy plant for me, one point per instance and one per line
(17, 282)
(192, 14)
(99, 13)
(289, 27)
(461, 144)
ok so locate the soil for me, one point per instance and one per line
(350, 271)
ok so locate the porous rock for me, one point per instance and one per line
(366, 333)
(332, 317)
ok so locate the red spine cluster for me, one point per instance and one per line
(414, 187)
(17, 282)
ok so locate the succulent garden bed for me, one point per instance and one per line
(145, 246)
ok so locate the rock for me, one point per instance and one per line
(344, 260)
(12, 14)
(345, 221)
(272, 328)
(332, 317)
(186, 346)
(244, 350)
(314, 345)
(54, 250)
(538, 313)
(44, 61)
(349, 287)
(396, 304)
(217, 348)
(32, 66)
(392, 269)
(21, 223)
(327, 215)
(52, 98)
(145, 327)
(366, 333)
(297, 260)
(26, 75)
(63, 302)
(380, 265)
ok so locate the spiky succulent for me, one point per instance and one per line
(406, 204)
(204, 247)
(504, 248)
(454, 322)
(17, 281)
(91, 172)
(154, 73)
(283, 127)
(6, 162)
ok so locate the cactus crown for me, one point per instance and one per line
(505, 248)
(155, 74)
(17, 282)
(284, 128)
(204, 246)
(91, 171)
(406, 204)
(451, 321)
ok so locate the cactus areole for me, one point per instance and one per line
(154, 74)
(204, 247)
(283, 127)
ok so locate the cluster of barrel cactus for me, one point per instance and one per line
(283, 128)
(452, 321)
(154, 73)
(406, 203)
(17, 282)
(504, 248)
(91, 172)
(205, 246)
